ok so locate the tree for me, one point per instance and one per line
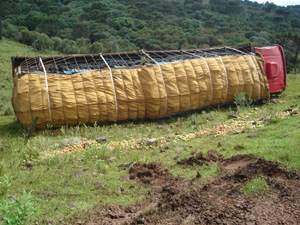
(295, 42)
(56, 43)
(69, 47)
(269, 7)
(6, 7)
(291, 43)
(42, 43)
(96, 47)
(49, 25)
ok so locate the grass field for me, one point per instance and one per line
(69, 172)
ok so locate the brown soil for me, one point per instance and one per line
(150, 173)
(237, 162)
(199, 159)
(220, 201)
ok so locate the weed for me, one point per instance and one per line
(100, 152)
(146, 159)
(14, 211)
(240, 101)
(32, 153)
(101, 166)
(1, 168)
(196, 120)
(257, 186)
(5, 184)
(63, 130)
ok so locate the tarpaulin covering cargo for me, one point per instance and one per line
(82, 89)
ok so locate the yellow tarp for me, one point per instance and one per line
(150, 91)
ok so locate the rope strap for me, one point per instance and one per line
(48, 96)
(113, 85)
(226, 78)
(162, 76)
(257, 75)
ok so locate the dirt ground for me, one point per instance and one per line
(219, 201)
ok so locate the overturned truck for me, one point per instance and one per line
(84, 89)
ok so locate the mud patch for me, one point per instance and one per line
(163, 182)
(237, 161)
(221, 201)
(268, 169)
(196, 159)
(150, 173)
(214, 156)
(199, 159)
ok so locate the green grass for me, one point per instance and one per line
(7, 50)
(73, 183)
(257, 186)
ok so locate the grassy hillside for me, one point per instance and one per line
(8, 49)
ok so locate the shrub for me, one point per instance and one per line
(240, 100)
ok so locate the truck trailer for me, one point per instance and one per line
(89, 88)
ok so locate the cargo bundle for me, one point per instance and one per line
(84, 89)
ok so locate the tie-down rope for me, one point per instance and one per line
(113, 84)
(162, 76)
(48, 96)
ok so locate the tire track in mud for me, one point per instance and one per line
(175, 200)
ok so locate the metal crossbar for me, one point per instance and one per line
(73, 64)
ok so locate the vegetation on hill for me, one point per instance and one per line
(83, 26)
(8, 49)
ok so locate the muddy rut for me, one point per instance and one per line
(219, 201)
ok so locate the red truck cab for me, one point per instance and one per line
(275, 67)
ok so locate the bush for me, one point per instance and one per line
(96, 47)
(241, 101)
(69, 47)
(56, 43)
(42, 43)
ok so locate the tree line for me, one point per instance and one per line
(94, 26)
